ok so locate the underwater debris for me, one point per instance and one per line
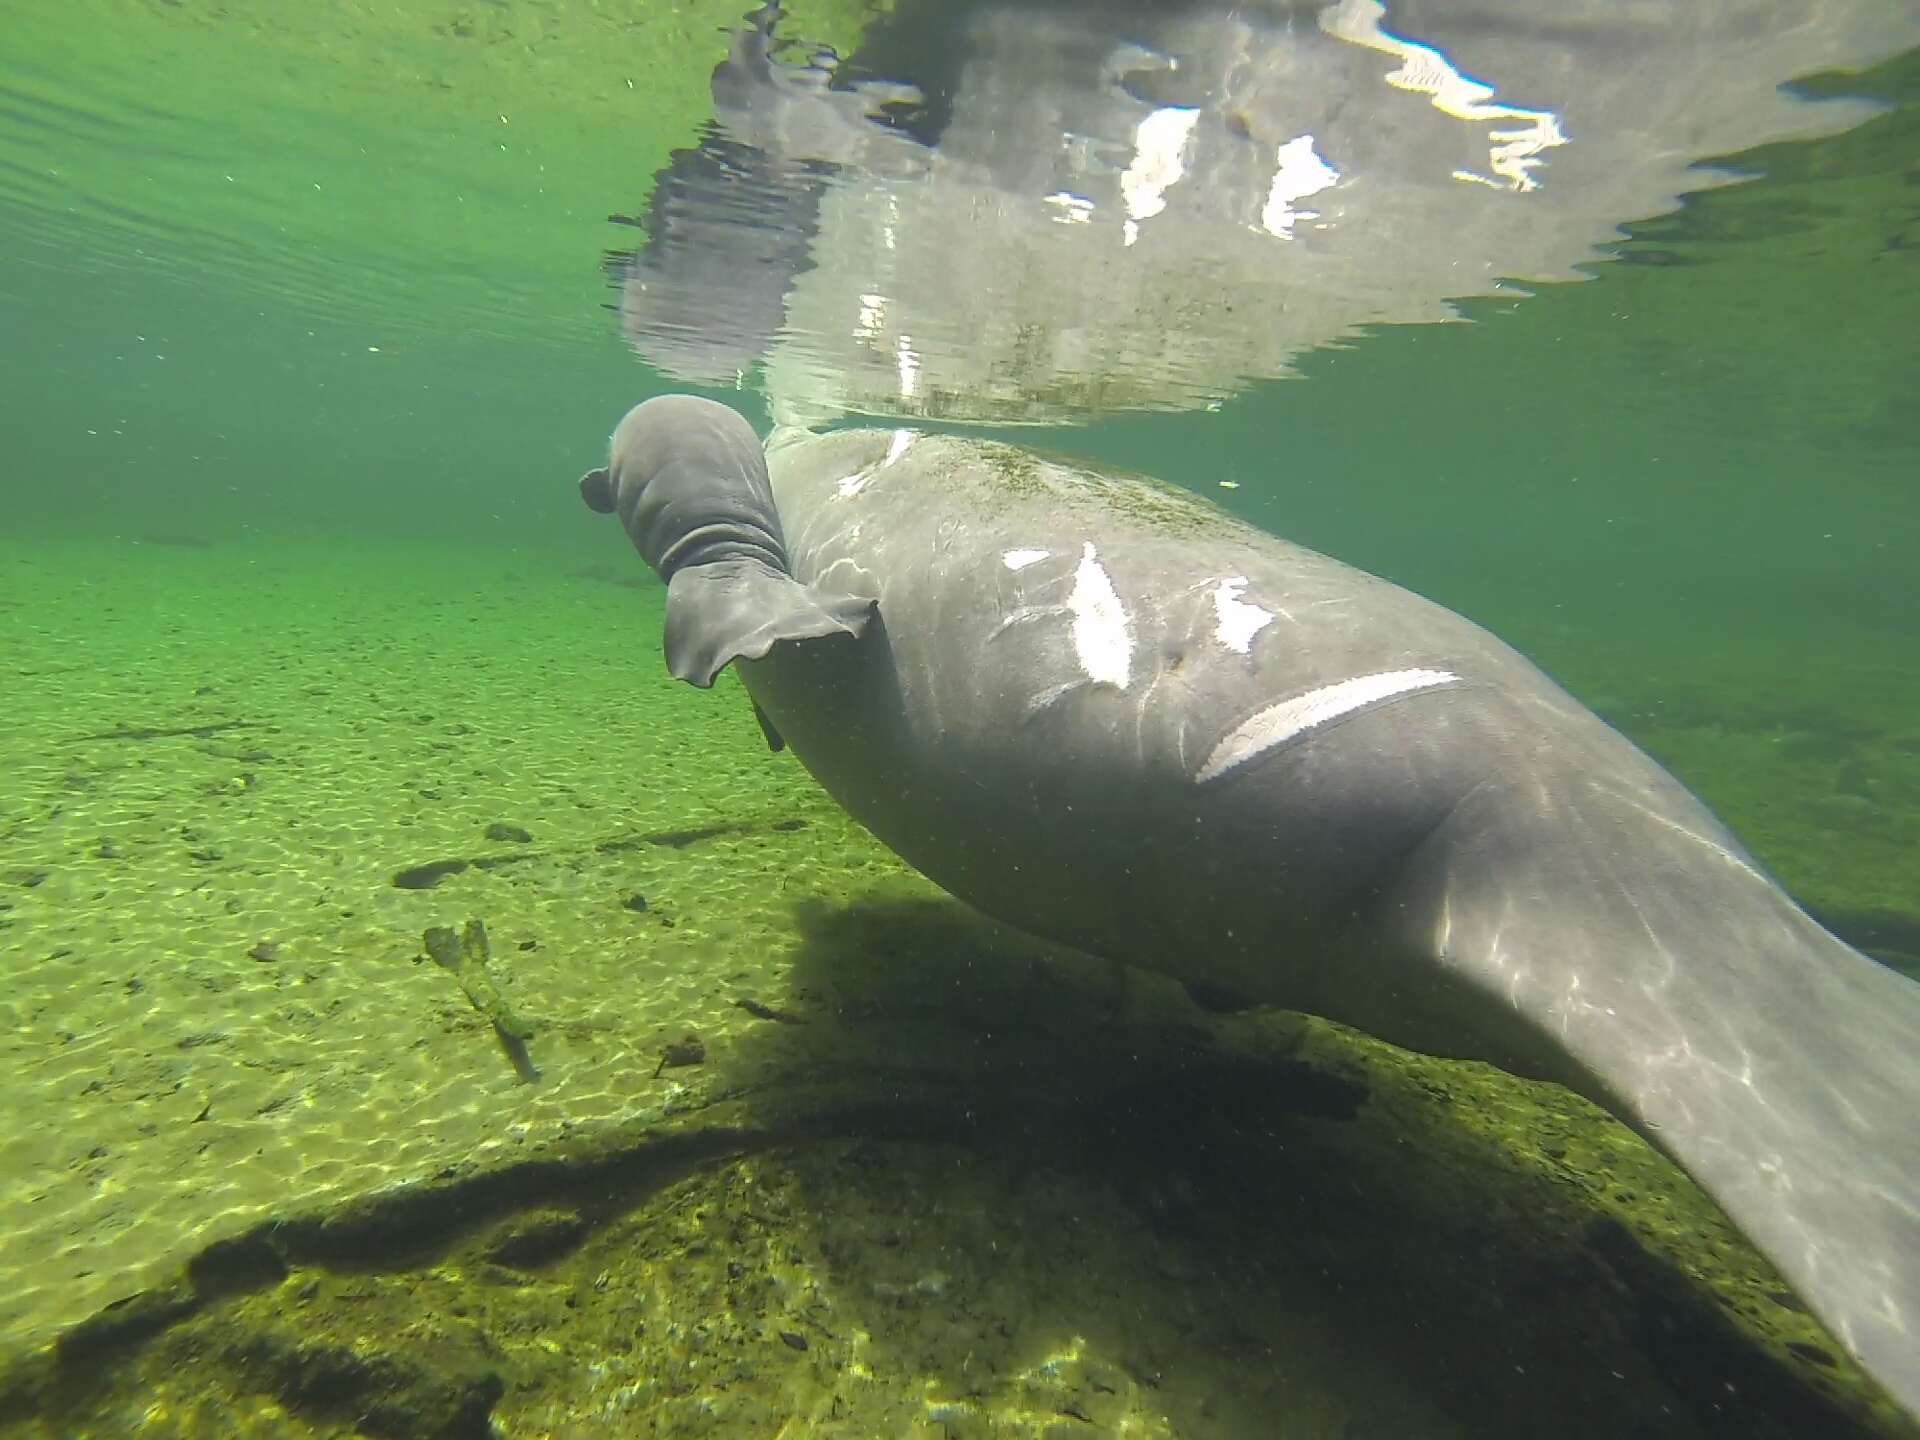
(622, 575)
(673, 839)
(430, 873)
(167, 732)
(425, 877)
(467, 955)
(766, 1012)
(689, 1049)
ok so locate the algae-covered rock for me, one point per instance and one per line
(537, 1238)
(399, 1393)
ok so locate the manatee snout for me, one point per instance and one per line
(689, 482)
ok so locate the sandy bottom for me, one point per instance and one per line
(217, 762)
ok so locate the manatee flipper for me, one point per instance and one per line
(775, 742)
(739, 609)
(596, 488)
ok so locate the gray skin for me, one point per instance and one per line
(1441, 848)
(691, 492)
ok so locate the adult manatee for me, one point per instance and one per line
(1104, 712)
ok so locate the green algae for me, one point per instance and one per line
(1095, 488)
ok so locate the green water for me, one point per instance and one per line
(305, 347)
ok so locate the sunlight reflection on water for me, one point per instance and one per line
(1033, 214)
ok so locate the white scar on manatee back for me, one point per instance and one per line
(853, 484)
(1302, 715)
(1103, 639)
(1236, 621)
(1102, 631)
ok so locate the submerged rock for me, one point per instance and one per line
(383, 1392)
(537, 1238)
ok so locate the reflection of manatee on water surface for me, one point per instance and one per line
(1033, 211)
(1111, 715)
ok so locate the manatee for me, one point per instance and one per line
(1107, 713)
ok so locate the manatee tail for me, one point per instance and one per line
(739, 609)
(1807, 1136)
(1778, 1066)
